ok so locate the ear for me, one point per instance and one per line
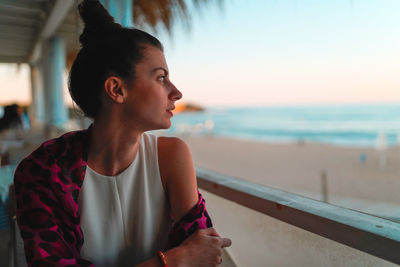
(114, 87)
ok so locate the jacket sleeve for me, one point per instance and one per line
(197, 218)
(49, 234)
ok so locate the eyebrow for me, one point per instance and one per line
(161, 68)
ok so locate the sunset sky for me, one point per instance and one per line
(270, 52)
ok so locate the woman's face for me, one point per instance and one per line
(151, 97)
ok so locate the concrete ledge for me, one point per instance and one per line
(373, 235)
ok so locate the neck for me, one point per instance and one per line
(113, 146)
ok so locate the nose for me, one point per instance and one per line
(175, 94)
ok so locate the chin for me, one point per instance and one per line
(167, 125)
(163, 126)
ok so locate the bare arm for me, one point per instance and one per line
(178, 175)
(204, 247)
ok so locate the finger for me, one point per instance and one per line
(225, 242)
(211, 232)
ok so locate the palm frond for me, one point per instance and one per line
(154, 13)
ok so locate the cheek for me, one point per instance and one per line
(150, 97)
(143, 98)
(155, 97)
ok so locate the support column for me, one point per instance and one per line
(121, 10)
(56, 112)
(127, 13)
(36, 111)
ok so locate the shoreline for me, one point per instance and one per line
(267, 140)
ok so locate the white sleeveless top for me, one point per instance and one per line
(124, 218)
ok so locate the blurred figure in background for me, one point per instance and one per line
(11, 118)
(13, 124)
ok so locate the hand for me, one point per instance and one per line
(203, 248)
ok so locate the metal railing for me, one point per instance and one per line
(376, 236)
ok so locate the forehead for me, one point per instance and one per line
(153, 58)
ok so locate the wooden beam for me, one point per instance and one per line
(8, 8)
(56, 17)
(15, 36)
(16, 29)
(52, 23)
(11, 19)
(11, 59)
(28, 6)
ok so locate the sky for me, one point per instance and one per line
(277, 52)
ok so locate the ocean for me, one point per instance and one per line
(344, 125)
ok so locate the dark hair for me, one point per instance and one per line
(107, 49)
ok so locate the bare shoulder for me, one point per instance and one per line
(172, 147)
(173, 154)
(177, 174)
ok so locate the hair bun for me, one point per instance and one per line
(97, 22)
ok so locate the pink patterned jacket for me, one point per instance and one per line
(47, 185)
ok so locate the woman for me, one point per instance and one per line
(106, 195)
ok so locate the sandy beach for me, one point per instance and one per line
(356, 179)
(370, 186)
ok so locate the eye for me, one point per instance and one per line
(161, 78)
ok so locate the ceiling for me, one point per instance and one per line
(26, 24)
